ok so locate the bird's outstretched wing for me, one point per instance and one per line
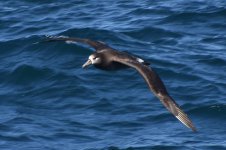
(97, 45)
(157, 87)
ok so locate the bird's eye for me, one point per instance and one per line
(94, 58)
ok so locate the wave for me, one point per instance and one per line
(152, 33)
(24, 74)
(212, 61)
(214, 111)
(21, 138)
(162, 147)
(194, 16)
(91, 33)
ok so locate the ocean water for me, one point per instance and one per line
(48, 102)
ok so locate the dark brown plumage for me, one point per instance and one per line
(107, 58)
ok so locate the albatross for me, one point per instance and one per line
(107, 58)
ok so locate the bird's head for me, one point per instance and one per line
(93, 59)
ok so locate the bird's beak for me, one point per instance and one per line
(87, 63)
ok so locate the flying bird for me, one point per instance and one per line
(107, 58)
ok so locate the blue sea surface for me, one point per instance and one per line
(48, 102)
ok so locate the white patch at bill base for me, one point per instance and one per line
(140, 60)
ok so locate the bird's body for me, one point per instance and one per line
(107, 58)
(107, 62)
